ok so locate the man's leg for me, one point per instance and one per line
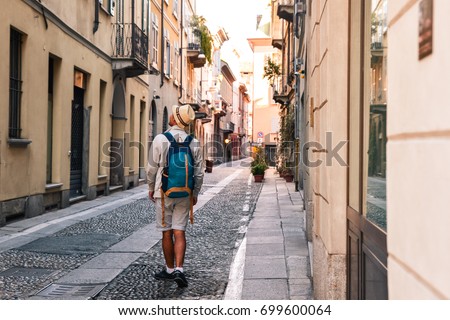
(167, 242)
(168, 248)
(180, 247)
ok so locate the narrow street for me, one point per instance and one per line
(109, 249)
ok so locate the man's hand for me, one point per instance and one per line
(150, 195)
(194, 199)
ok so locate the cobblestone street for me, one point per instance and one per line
(219, 226)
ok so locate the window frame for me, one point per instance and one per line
(175, 9)
(167, 55)
(155, 33)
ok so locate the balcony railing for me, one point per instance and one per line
(130, 48)
(285, 10)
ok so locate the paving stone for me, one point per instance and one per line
(90, 276)
(266, 249)
(264, 239)
(258, 289)
(114, 260)
(265, 267)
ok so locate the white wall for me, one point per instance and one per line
(418, 178)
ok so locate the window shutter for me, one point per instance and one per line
(112, 7)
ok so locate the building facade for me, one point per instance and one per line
(75, 99)
(89, 88)
(264, 111)
(371, 175)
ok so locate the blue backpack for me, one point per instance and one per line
(178, 174)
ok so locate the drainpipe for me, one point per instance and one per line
(162, 44)
(96, 21)
(181, 50)
(132, 14)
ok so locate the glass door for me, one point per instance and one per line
(366, 214)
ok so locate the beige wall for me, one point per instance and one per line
(264, 108)
(262, 120)
(327, 76)
(23, 170)
(419, 140)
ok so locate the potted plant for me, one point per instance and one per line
(288, 175)
(258, 171)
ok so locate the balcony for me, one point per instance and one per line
(194, 55)
(228, 127)
(130, 49)
(286, 10)
(285, 96)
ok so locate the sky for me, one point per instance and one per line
(238, 18)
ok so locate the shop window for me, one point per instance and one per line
(375, 115)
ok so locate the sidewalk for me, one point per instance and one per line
(277, 262)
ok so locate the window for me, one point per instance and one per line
(177, 60)
(154, 56)
(15, 83)
(375, 116)
(108, 5)
(175, 8)
(167, 59)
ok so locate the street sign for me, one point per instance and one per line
(260, 134)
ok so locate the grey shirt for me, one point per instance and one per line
(158, 156)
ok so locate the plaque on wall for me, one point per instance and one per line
(425, 28)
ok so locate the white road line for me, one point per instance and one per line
(236, 277)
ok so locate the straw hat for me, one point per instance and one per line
(183, 115)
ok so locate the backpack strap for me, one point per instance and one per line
(173, 144)
(171, 139)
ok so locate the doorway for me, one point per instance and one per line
(76, 145)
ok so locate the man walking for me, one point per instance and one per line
(173, 207)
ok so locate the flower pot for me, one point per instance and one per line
(289, 177)
(258, 177)
(209, 166)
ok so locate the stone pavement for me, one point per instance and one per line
(275, 249)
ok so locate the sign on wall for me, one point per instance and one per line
(425, 28)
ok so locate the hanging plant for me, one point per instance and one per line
(198, 24)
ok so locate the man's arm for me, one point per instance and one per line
(154, 161)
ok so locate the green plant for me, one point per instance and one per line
(198, 24)
(258, 169)
(271, 71)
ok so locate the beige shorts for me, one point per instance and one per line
(176, 213)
